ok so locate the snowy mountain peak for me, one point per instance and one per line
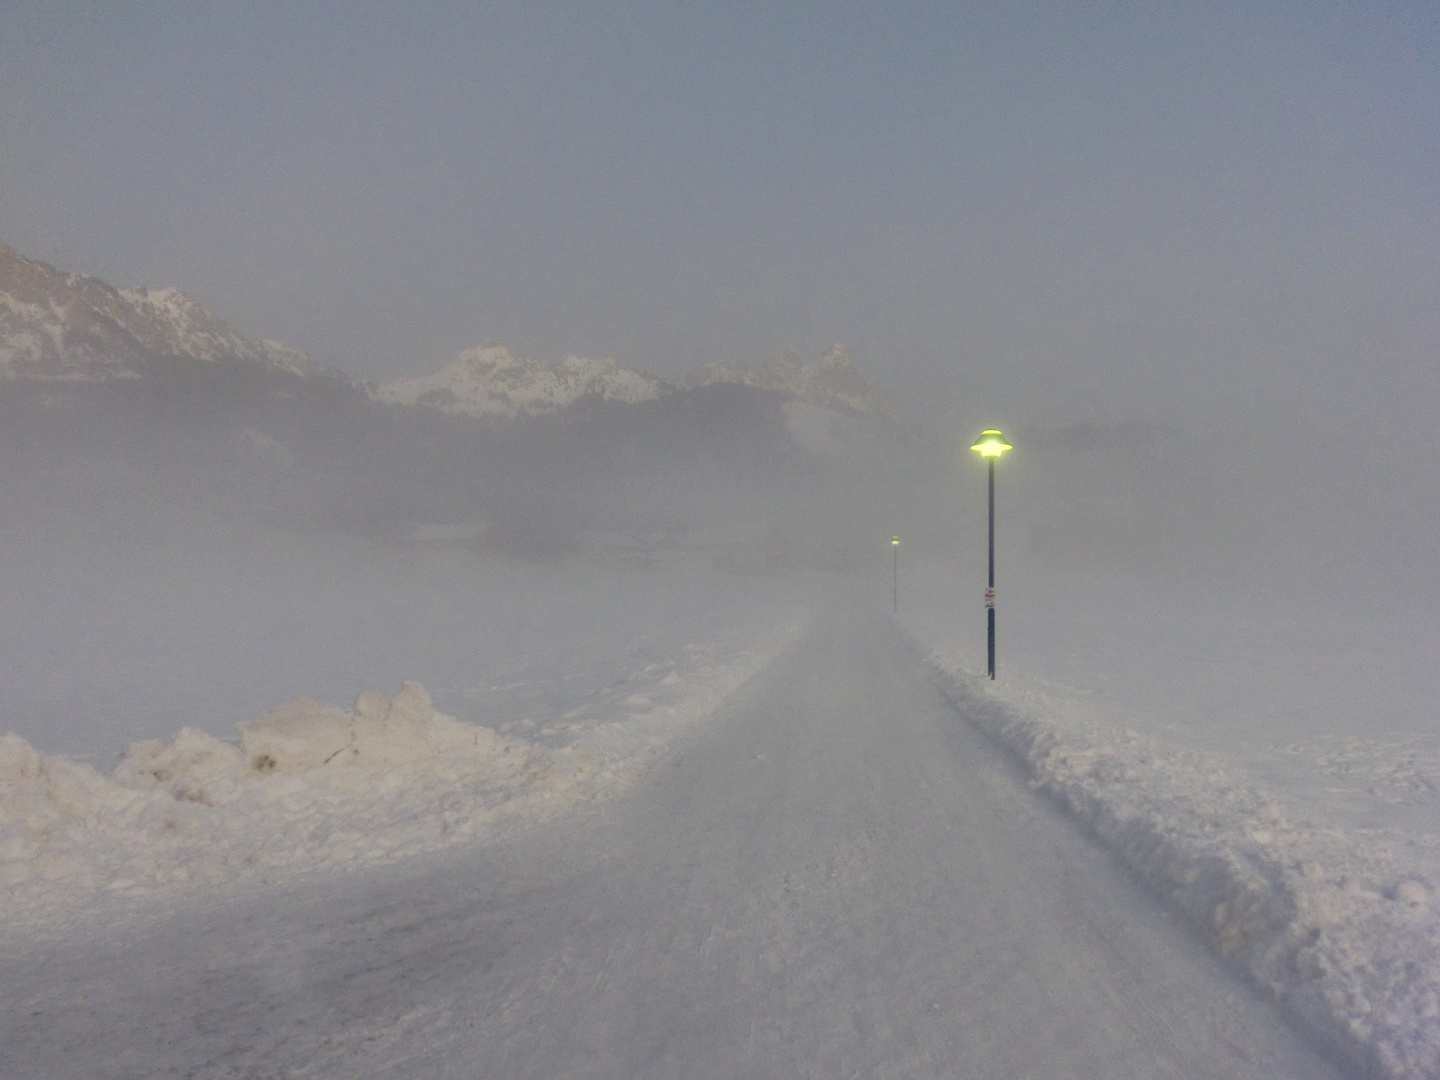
(56, 325)
(490, 381)
(833, 381)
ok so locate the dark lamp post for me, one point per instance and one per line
(990, 446)
(895, 578)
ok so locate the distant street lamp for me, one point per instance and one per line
(991, 445)
(895, 587)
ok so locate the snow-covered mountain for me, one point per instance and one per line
(832, 382)
(489, 381)
(70, 327)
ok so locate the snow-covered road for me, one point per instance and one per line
(836, 876)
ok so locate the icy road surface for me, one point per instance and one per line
(834, 877)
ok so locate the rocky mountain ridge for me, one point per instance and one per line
(832, 382)
(489, 381)
(69, 327)
(65, 327)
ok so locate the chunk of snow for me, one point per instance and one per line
(296, 736)
(190, 756)
(1414, 895)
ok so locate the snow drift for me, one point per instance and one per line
(312, 786)
(1335, 923)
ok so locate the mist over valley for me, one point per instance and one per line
(520, 595)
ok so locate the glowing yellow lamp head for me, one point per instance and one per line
(991, 443)
(894, 541)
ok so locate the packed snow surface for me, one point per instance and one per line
(1263, 764)
(833, 876)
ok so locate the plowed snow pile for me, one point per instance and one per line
(1330, 909)
(313, 786)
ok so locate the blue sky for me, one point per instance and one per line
(1026, 212)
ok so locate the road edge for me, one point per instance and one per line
(1255, 907)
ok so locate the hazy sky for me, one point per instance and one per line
(1022, 211)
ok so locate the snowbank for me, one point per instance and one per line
(1337, 923)
(313, 786)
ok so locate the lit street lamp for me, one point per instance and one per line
(991, 445)
(895, 587)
